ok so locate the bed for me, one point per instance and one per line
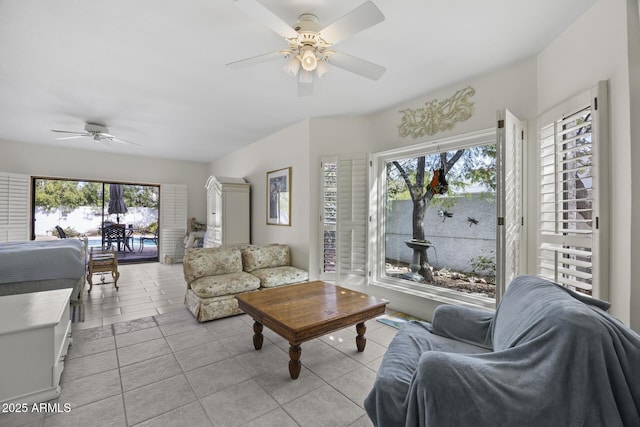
(42, 265)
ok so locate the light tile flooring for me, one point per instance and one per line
(144, 290)
(141, 359)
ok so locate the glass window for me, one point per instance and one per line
(434, 207)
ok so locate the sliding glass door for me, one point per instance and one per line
(64, 208)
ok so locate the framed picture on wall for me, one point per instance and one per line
(279, 197)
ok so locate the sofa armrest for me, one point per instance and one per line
(469, 325)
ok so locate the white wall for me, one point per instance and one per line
(286, 148)
(512, 87)
(633, 19)
(595, 48)
(43, 161)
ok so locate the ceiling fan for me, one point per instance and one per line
(95, 131)
(311, 45)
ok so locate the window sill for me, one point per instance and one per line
(434, 293)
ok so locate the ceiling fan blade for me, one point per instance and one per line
(67, 131)
(256, 60)
(362, 17)
(124, 141)
(267, 17)
(103, 136)
(73, 137)
(356, 65)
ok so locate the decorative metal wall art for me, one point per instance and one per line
(437, 116)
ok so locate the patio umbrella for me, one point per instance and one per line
(116, 201)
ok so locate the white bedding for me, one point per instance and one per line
(42, 260)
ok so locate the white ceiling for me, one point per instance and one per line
(153, 71)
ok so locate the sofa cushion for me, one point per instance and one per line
(202, 262)
(278, 276)
(224, 284)
(255, 257)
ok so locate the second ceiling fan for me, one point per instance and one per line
(310, 45)
(98, 133)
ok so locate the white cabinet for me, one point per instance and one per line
(228, 212)
(35, 333)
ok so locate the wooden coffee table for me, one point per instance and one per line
(302, 312)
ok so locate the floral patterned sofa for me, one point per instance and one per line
(215, 275)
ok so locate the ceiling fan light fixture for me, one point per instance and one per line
(308, 58)
(306, 77)
(309, 55)
(292, 66)
(321, 68)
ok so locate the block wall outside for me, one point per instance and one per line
(456, 241)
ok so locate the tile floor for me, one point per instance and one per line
(141, 359)
(144, 290)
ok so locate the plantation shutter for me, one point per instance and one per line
(329, 218)
(173, 222)
(572, 171)
(510, 139)
(14, 207)
(352, 215)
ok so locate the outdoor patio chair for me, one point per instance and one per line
(61, 233)
(153, 239)
(115, 234)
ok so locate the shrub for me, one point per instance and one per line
(482, 264)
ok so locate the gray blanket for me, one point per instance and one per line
(546, 358)
(41, 260)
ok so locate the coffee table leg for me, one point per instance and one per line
(294, 363)
(257, 335)
(361, 341)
